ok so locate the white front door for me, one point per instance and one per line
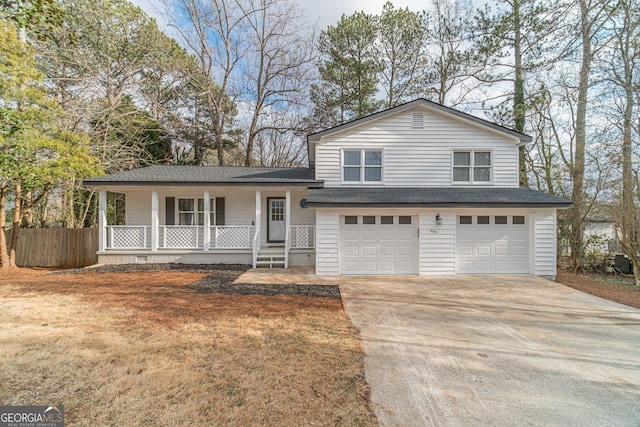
(276, 221)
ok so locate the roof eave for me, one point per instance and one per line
(308, 184)
(440, 205)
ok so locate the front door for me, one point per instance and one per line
(275, 221)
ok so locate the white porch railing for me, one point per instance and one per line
(232, 237)
(127, 236)
(192, 237)
(180, 236)
(303, 236)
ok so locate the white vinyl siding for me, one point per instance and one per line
(138, 208)
(545, 243)
(437, 243)
(327, 242)
(418, 157)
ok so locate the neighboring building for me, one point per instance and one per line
(600, 230)
(416, 189)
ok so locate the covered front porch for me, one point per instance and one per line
(261, 227)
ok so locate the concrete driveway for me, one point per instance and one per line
(495, 351)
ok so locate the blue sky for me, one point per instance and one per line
(322, 12)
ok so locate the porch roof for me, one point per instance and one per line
(433, 197)
(162, 175)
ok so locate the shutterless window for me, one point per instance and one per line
(482, 166)
(386, 220)
(373, 166)
(368, 219)
(483, 220)
(501, 220)
(462, 166)
(350, 219)
(351, 166)
(472, 166)
(466, 220)
(518, 220)
(405, 220)
(362, 166)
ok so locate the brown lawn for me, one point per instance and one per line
(141, 349)
(615, 288)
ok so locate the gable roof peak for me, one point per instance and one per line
(314, 137)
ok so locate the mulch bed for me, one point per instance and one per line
(219, 279)
(213, 283)
(590, 285)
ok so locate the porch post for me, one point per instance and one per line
(102, 220)
(154, 221)
(258, 210)
(207, 221)
(287, 228)
(258, 221)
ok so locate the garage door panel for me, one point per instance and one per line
(379, 248)
(406, 251)
(369, 250)
(483, 250)
(501, 249)
(501, 266)
(387, 250)
(492, 248)
(465, 249)
(351, 250)
(350, 267)
(483, 266)
(387, 267)
(518, 250)
(369, 267)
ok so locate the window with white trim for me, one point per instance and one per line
(472, 166)
(362, 166)
(188, 215)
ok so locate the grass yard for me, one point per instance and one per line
(142, 349)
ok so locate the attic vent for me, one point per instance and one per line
(417, 120)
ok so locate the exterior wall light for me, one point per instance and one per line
(438, 219)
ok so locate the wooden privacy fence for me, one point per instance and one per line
(56, 247)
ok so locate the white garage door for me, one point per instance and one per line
(492, 244)
(381, 244)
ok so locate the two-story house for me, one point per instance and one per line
(416, 189)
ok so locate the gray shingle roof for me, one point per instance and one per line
(186, 175)
(436, 197)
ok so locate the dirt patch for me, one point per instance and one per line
(140, 348)
(617, 291)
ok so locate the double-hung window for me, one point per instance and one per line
(472, 166)
(362, 166)
(189, 215)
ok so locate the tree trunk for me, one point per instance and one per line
(16, 226)
(519, 106)
(577, 174)
(4, 254)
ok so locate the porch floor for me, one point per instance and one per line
(290, 276)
